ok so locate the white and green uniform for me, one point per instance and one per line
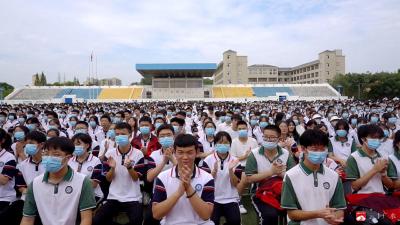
(359, 163)
(341, 149)
(59, 203)
(306, 190)
(394, 160)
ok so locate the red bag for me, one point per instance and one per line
(269, 191)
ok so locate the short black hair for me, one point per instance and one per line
(123, 125)
(368, 130)
(107, 117)
(37, 136)
(82, 122)
(396, 140)
(23, 128)
(185, 140)
(220, 135)
(145, 119)
(342, 123)
(313, 137)
(206, 123)
(241, 122)
(180, 121)
(62, 143)
(7, 139)
(274, 128)
(236, 117)
(165, 127)
(182, 113)
(85, 138)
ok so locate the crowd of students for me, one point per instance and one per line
(191, 162)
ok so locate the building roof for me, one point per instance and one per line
(177, 69)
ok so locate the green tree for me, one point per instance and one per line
(207, 81)
(6, 89)
(37, 80)
(146, 81)
(42, 80)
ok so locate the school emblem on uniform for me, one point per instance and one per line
(326, 185)
(1, 164)
(198, 187)
(90, 168)
(279, 161)
(68, 190)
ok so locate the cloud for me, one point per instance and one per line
(58, 36)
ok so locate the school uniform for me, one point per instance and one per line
(167, 183)
(306, 190)
(226, 196)
(386, 147)
(7, 191)
(238, 148)
(341, 149)
(59, 202)
(27, 171)
(124, 193)
(92, 169)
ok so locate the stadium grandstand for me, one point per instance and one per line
(173, 82)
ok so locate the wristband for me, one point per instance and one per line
(191, 195)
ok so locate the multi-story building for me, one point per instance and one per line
(322, 70)
(103, 82)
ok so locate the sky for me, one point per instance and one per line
(58, 37)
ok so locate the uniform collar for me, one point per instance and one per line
(31, 161)
(68, 176)
(308, 171)
(337, 139)
(261, 151)
(175, 172)
(397, 153)
(363, 154)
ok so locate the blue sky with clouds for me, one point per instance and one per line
(59, 36)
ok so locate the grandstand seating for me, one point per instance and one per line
(270, 91)
(85, 93)
(121, 93)
(232, 92)
(313, 91)
(35, 94)
(137, 93)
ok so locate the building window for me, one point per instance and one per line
(316, 81)
(308, 75)
(228, 56)
(229, 64)
(327, 64)
(327, 72)
(316, 74)
(272, 79)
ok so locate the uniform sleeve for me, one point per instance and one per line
(30, 208)
(87, 200)
(353, 146)
(206, 167)
(238, 171)
(140, 167)
(19, 180)
(338, 201)
(10, 169)
(391, 170)
(352, 172)
(251, 165)
(106, 167)
(207, 194)
(151, 164)
(97, 173)
(290, 163)
(159, 193)
(288, 196)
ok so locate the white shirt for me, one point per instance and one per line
(238, 148)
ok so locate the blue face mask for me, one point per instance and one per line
(92, 124)
(386, 133)
(21, 120)
(19, 135)
(31, 126)
(341, 133)
(222, 119)
(176, 129)
(72, 123)
(111, 133)
(78, 150)
(169, 113)
(374, 119)
(373, 143)
(253, 122)
(210, 131)
(269, 145)
(263, 124)
(81, 131)
(52, 164)
(157, 125)
(52, 127)
(264, 115)
(345, 115)
(144, 130)
(31, 149)
(392, 120)
(296, 122)
(222, 148)
(317, 157)
(228, 119)
(242, 133)
(29, 116)
(353, 122)
(166, 142)
(122, 140)
(11, 118)
(116, 120)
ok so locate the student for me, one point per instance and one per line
(224, 168)
(18, 146)
(184, 194)
(60, 193)
(125, 166)
(8, 172)
(342, 144)
(366, 169)
(312, 193)
(266, 166)
(86, 163)
(207, 140)
(146, 141)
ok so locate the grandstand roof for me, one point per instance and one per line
(177, 69)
